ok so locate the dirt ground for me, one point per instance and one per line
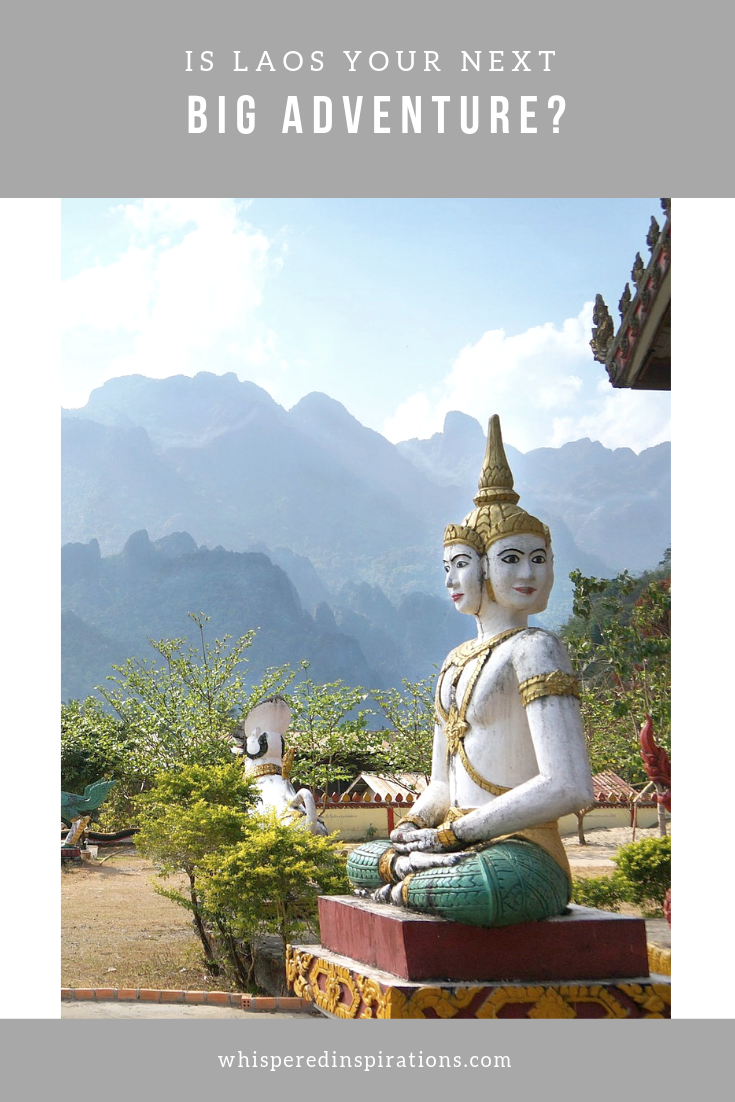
(596, 857)
(118, 932)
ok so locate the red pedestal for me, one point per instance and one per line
(583, 944)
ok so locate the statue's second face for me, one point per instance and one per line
(465, 577)
(520, 569)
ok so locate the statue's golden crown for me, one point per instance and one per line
(497, 513)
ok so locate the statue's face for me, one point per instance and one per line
(521, 572)
(465, 577)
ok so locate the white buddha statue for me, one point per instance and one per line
(481, 844)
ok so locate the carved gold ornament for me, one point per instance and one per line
(455, 730)
(372, 995)
(454, 721)
(659, 959)
(385, 866)
(556, 683)
(456, 533)
(347, 992)
(654, 998)
(497, 513)
(298, 965)
(267, 769)
(475, 648)
(287, 762)
(404, 887)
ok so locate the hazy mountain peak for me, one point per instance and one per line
(180, 410)
(458, 424)
(318, 406)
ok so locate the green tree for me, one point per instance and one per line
(184, 708)
(329, 734)
(178, 707)
(190, 814)
(410, 716)
(93, 744)
(620, 642)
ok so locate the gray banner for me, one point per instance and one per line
(515, 100)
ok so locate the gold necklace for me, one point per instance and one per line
(265, 770)
(455, 721)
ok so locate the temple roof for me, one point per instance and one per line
(638, 354)
(608, 787)
(389, 786)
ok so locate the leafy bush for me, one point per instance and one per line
(270, 881)
(646, 868)
(248, 874)
(605, 892)
(643, 877)
(410, 715)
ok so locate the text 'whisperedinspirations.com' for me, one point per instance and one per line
(360, 1061)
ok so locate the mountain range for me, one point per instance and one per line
(203, 494)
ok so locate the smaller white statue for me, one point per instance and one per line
(260, 739)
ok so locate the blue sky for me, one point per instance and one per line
(402, 309)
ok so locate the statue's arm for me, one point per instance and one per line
(433, 803)
(563, 783)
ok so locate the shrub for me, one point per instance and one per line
(646, 868)
(605, 892)
(270, 881)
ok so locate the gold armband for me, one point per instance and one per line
(412, 820)
(446, 836)
(556, 683)
(385, 866)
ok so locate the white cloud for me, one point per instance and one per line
(545, 386)
(619, 419)
(184, 296)
(117, 296)
(414, 417)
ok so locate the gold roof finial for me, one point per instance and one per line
(497, 513)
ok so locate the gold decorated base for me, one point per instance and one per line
(659, 958)
(343, 988)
